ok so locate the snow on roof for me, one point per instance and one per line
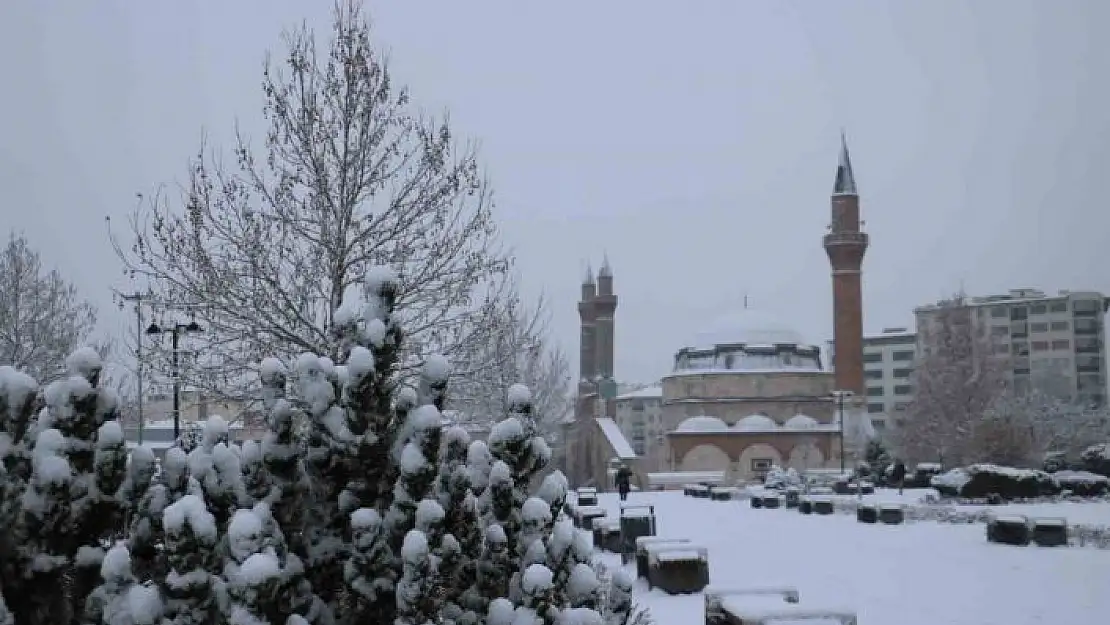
(649, 392)
(755, 422)
(616, 439)
(747, 326)
(702, 424)
(800, 422)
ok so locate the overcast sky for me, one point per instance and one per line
(695, 142)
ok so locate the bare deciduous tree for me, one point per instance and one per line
(1045, 422)
(351, 178)
(515, 347)
(956, 379)
(42, 319)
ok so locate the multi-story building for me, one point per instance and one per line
(888, 359)
(1056, 343)
(639, 416)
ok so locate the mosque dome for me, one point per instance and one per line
(702, 424)
(750, 327)
(755, 422)
(800, 422)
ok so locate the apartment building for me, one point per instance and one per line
(639, 415)
(888, 359)
(1054, 342)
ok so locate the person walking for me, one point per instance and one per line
(624, 482)
(899, 475)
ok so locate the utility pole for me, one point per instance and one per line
(138, 299)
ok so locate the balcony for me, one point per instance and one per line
(846, 239)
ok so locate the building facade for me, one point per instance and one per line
(639, 414)
(888, 362)
(748, 394)
(1055, 343)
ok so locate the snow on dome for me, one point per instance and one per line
(800, 422)
(747, 326)
(702, 424)
(755, 422)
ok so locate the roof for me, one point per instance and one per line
(845, 183)
(749, 327)
(648, 392)
(616, 438)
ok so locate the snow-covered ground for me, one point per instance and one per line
(916, 574)
(1083, 513)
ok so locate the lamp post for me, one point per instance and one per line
(175, 331)
(840, 396)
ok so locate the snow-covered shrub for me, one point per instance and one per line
(1096, 459)
(777, 477)
(983, 480)
(63, 506)
(1082, 483)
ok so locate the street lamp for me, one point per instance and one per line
(840, 396)
(175, 331)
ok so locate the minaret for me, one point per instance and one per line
(605, 305)
(846, 245)
(587, 346)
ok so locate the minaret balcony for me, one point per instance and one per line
(846, 239)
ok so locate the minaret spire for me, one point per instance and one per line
(589, 277)
(845, 180)
(606, 271)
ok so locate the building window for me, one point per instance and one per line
(875, 408)
(1019, 329)
(1038, 309)
(1062, 344)
(1059, 326)
(1086, 307)
(873, 374)
(1039, 326)
(879, 424)
(874, 391)
(1001, 348)
(637, 405)
(903, 373)
(1058, 307)
(1019, 313)
(998, 312)
(1086, 326)
(873, 357)
(761, 465)
(902, 356)
(1087, 345)
(1000, 331)
(903, 389)
(1040, 346)
(901, 406)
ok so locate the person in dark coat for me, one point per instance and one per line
(624, 482)
(898, 474)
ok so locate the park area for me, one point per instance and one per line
(917, 573)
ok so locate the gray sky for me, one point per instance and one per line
(696, 145)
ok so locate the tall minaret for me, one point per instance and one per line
(587, 346)
(846, 244)
(605, 305)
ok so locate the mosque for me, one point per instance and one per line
(745, 394)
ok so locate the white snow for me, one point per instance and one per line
(16, 386)
(425, 417)
(412, 460)
(144, 603)
(701, 424)
(271, 368)
(360, 363)
(258, 568)
(436, 368)
(116, 564)
(800, 422)
(83, 362)
(971, 582)
(616, 438)
(519, 394)
(755, 422)
(192, 510)
(501, 612)
(50, 465)
(374, 332)
(535, 510)
(509, 429)
(365, 518)
(379, 276)
(428, 513)
(415, 546)
(537, 578)
(649, 392)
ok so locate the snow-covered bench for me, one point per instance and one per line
(678, 568)
(767, 606)
(722, 493)
(586, 496)
(1050, 531)
(637, 520)
(584, 516)
(1009, 529)
(642, 544)
(607, 534)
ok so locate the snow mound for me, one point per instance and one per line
(702, 424)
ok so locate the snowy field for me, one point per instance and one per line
(916, 574)
(1085, 513)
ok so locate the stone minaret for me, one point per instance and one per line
(605, 305)
(846, 244)
(587, 345)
